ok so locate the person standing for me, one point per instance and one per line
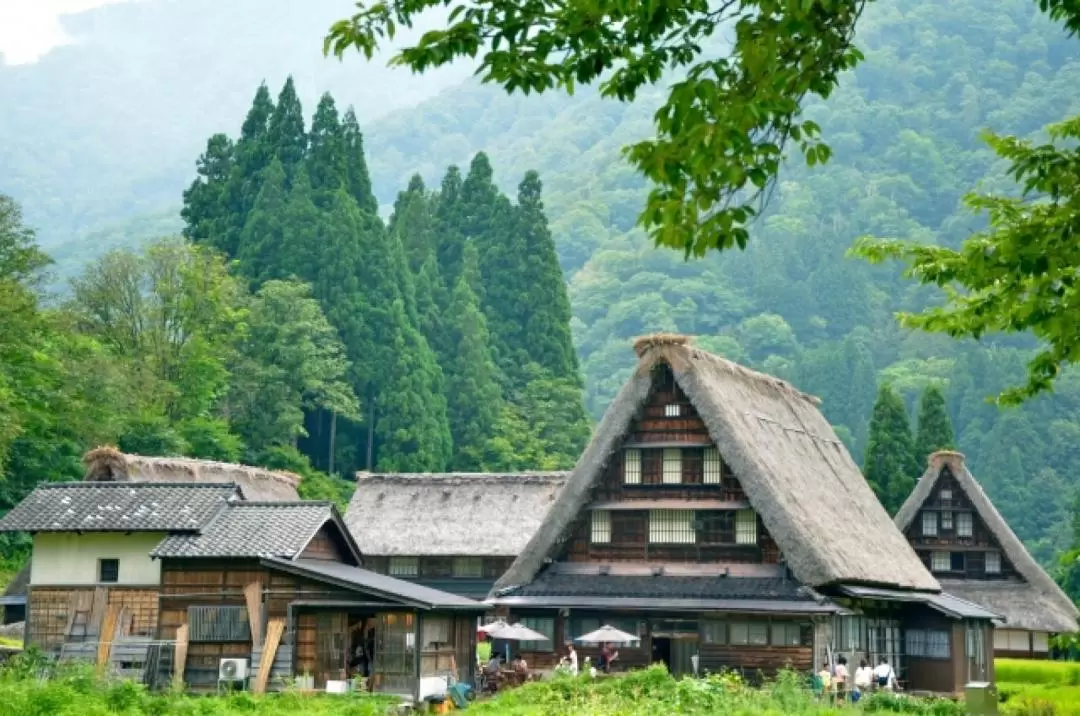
(884, 676)
(864, 678)
(571, 656)
(607, 655)
(840, 678)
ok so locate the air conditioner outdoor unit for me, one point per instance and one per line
(233, 670)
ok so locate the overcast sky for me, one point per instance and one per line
(30, 28)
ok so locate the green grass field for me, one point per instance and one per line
(1038, 688)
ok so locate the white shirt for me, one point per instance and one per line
(864, 676)
(573, 662)
(885, 671)
(841, 673)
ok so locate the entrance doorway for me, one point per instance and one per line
(661, 652)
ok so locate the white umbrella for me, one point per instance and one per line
(493, 626)
(607, 635)
(517, 632)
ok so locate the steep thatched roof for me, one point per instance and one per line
(449, 514)
(107, 464)
(795, 471)
(1037, 603)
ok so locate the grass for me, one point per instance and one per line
(1038, 688)
(1029, 671)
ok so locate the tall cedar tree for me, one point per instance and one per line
(260, 248)
(411, 426)
(448, 236)
(431, 297)
(473, 397)
(890, 465)
(359, 180)
(935, 430)
(546, 337)
(252, 154)
(206, 207)
(327, 164)
(413, 222)
(285, 133)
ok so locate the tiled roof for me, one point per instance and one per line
(252, 529)
(552, 584)
(117, 507)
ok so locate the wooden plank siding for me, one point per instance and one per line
(51, 613)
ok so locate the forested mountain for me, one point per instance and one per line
(904, 128)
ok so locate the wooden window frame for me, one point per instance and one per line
(996, 556)
(712, 470)
(600, 527)
(671, 466)
(672, 410)
(544, 625)
(929, 519)
(113, 571)
(394, 567)
(746, 531)
(939, 558)
(473, 570)
(632, 466)
(965, 524)
(672, 527)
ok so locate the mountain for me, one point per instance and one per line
(904, 127)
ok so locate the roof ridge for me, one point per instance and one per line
(117, 484)
(283, 503)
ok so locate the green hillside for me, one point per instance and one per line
(904, 128)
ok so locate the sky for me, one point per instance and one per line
(30, 28)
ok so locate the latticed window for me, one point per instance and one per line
(672, 527)
(714, 632)
(945, 495)
(963, 524)
(929, 524)
(928, 643)
(993, 563)
(404, 567)
(632, 467)
(946, 521)
(224, 623)
(544, 625)
(745, 527)
(601, 527)
(786, 634)
(746, 633)
(672, 466)
(940, 562)
(716, 527)
(713, 470)
(468, 567)
(672, 410)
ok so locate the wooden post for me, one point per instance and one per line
(266, 663)
(105, 639)
(253, 597)
(180, 659)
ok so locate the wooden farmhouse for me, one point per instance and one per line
(457, 532)
(716, 515)
(964, 541)
(190, 581)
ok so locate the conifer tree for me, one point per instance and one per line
(890, 454)
(448, 236)
(411, 426)
(935, 431)
(359, 180)
(326, 162)
(413, 220)
(206, 208)
(259, 250)
(285, 132)
(430, 299)
(252, 155)
(474, 399)
(546, 337)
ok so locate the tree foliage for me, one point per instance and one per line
(890, 465)
(934, 430)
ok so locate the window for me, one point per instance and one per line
(929, 524)
(963, 524)
(993, 563)
(1040, 641)
(404, 567)
(714, 632)
(672, 466)
(945, 495)
(436, 630)
(956, 561)
(601, 527)
(632, 467)
(940, 562)
(468, 567)
(716, 527)
(786, 634)
(946, 520)
(745, 527)
(109, 570)
(749, 633)
(928, 643)
(713, 471)
(672, 527)
(218, 624)
(544, 625)
(672, 410)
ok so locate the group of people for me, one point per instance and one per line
(838, 684)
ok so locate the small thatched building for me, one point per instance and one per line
(452, 531)
(717, 516)
(966, 543)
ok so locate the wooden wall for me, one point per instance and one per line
(52, 613)
(327, 545)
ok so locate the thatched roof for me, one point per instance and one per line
(107, 464)
(794, 470)
(1037, 603)
(449, 514)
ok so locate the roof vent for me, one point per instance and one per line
(659, 340)
(658, 571)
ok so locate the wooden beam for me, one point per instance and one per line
(274, 631)
(108, 631)
(180, 660)
(253, 597)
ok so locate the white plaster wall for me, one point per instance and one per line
(67, 558)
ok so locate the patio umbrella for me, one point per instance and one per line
(493, 626)
(607, 635)
(517, 632)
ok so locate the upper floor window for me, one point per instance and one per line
(945, 495)
(929, 524)
(672, 410)
(672, 474)
(993, 563)
(632, 467)
(404, 567)
(940, 562)
(745, 527)
(109, 571)
(672, 527)
(600, 529)
(946, 520)
(468, 567)
(712, 467)
(963, 524)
